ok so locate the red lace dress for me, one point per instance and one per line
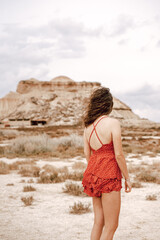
(102, 174)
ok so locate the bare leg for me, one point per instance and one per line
(111, 203)
(98, 219)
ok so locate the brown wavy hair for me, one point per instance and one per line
(100, 103)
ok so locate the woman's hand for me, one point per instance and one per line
(128, 186)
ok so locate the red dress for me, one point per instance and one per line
(102, 174)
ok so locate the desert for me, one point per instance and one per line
(42, 164)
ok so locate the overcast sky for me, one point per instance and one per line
(114, 42)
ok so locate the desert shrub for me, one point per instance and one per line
(147, 177)
(4, 168)
(71, 141)
(140, 139)
(30, 181)
(10, 184)
(28, 188)
(14, 166)
(137, 185)
(27, 145)
(40, 144)
(27, 200)
(2, 150)
(23, 181)
(49, 168)
(134, 169)
(73, 189)
(128, 149)
(79, 165)
(9, 133)
(76, 176)
(64, 170)
(152, 197)
(155, 166)
(18, 164)
(50, 178)
(143, 163)
(29, 171)
(80, 208)
(51, 174)
(125, 145)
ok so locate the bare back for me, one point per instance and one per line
(100, 132)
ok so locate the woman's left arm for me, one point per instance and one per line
(87, 149)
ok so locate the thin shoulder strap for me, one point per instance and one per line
(97, 134)
(94, 129)
(91, 134)
(100, 120)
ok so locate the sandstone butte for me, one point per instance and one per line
(60, 101)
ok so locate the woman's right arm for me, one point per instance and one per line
(117, 142)
(87, 149)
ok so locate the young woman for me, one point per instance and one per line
(106, 164)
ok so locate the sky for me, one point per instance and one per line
(114, 42)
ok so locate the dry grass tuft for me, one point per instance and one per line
(22, 181)
(73, 189)
(51, 174)
(72, 140)
(76, 176)
(28, 145)
(152, 197)
(27, 200)
(9, 134)
(80, 208)
(42, 144)
(10, 184)
(28, 188)
(134, 169)
(50, 178)
(146, 176)
(24, 166)
(4, 168)
(137, 185)
(79, 166)
(17, 165)
(29, 171)
(49, 168)
(156, 166)
(30, 181)
(1, 151)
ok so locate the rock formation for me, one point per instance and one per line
(60, 101)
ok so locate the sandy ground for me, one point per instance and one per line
(48, 218)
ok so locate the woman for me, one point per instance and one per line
(106, 164)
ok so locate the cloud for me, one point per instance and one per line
(158, 44)
(58, 34)
(144, 101)
(123, 41)
(123, 24)
(26, 51)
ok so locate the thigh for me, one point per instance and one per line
(98, 210)
(111, 203)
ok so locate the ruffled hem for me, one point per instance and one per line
(94, 186)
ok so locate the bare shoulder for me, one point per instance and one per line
(84, 132)
(114, 125)
(114, 121)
